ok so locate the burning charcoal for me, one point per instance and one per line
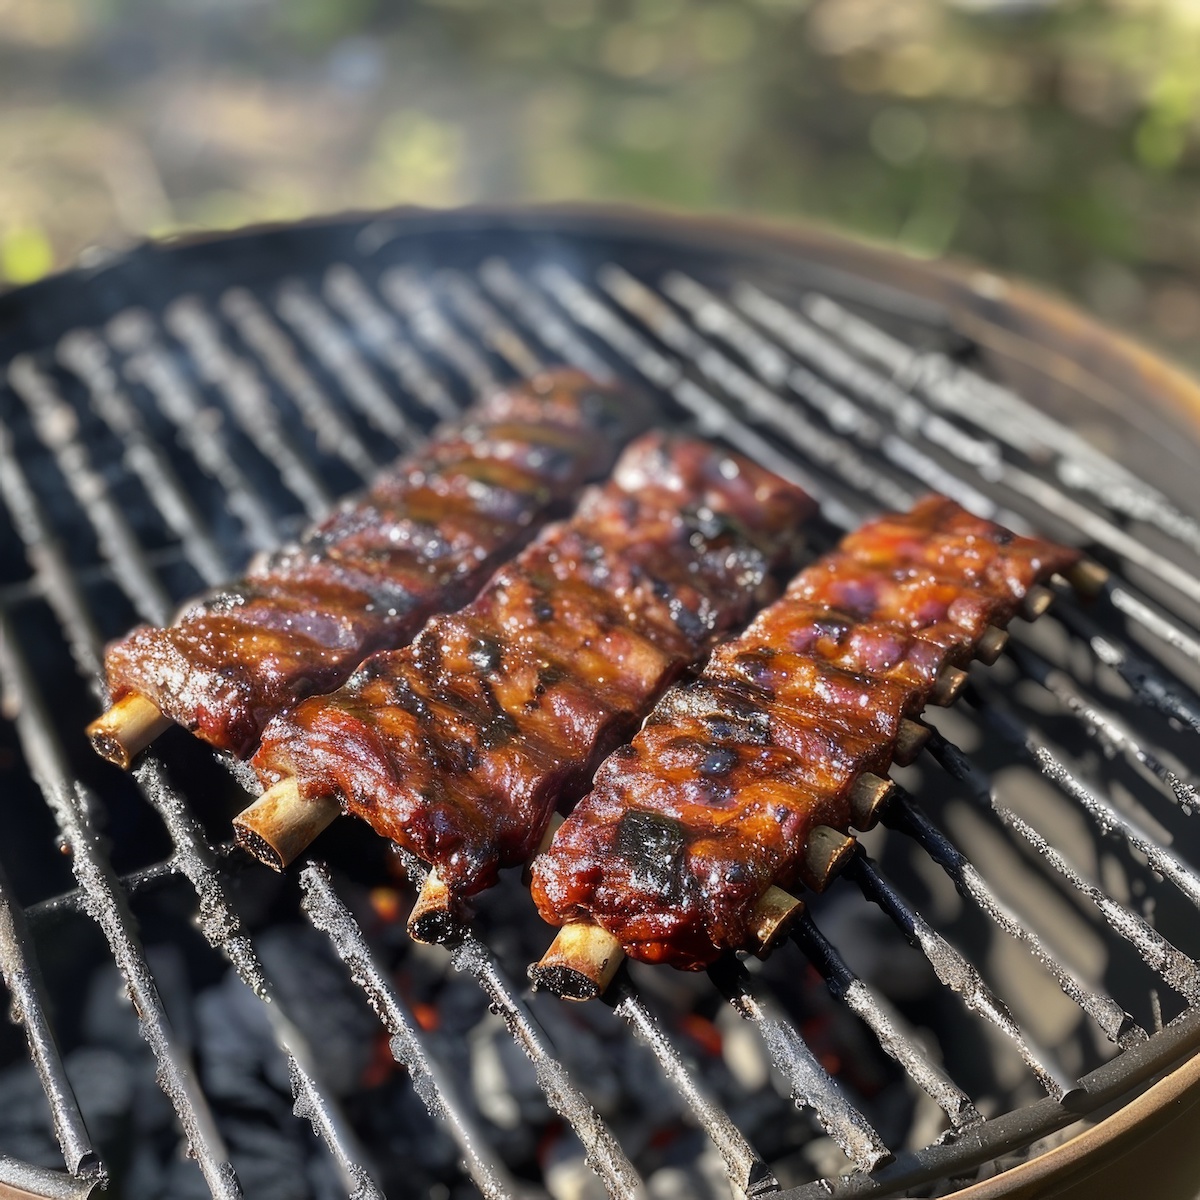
(928, 1121)
(109, 1022)
(826, 1157)
(322, 1001)
(396, 1124)
(107, 1019)
(275, 1156)
(460, 1004)
(178, 1179)
(280, 1164)
(145, 1171)
(744, 1052)
(241, 1062)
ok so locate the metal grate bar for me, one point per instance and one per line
(407, 293)
(1149, 685)
(325, 909)
(1002, 414)
(132, 332)
(954, 971)
(45, 553)
(812, 1087)
(1162, 628)
(134, 883)
(261, 334)
(57, 426)
(604, 1153)
(247, 398)
(1107, 819)
(487, 324)
(765, 406)
(1165, 960)
(380, 333)
(21, 1181)
(1102, 531)
(712, 418)
(1109, 732)
(552, 331)
(317, 330)
(749, 1174)
(71, 804)
(221, 927)
(30, 1006)
(905, 815)
(885, 1023)
(82, 352)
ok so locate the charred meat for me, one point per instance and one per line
(461, 745)
(423, 539)
(715, 799)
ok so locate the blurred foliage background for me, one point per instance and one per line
(1053, 139)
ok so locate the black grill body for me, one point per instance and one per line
(165, 415)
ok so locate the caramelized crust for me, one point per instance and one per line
(714, 800)
(460, 746)
(422, 539)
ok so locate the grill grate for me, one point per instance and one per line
(143, 455)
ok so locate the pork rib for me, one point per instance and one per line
(714, 801)
(422, 539)
(460, 746)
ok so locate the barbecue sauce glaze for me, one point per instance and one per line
(714, 799)
(422, 539)
(460, 746)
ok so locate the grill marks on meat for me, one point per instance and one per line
(422, 539)
(715, 798)
(460, 746)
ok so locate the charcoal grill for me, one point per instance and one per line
(167, 413)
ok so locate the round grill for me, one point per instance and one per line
(1009, 952)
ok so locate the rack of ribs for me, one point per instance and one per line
(422, 539)
(743, 781)
(460, 746)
